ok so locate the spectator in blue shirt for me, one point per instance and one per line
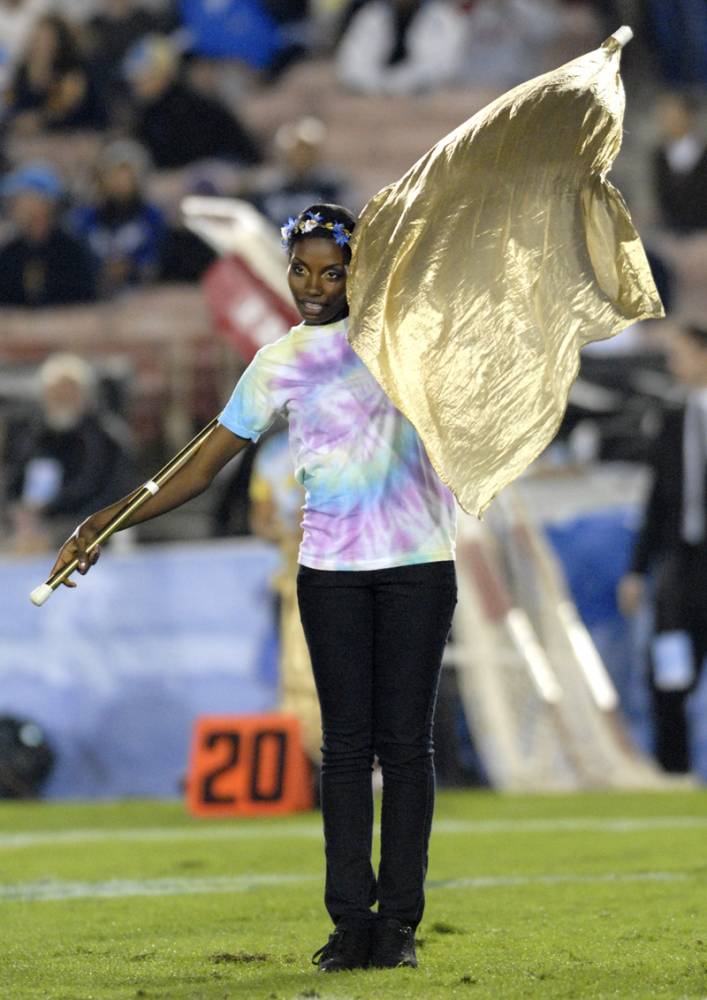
(265, 34)
(124, 231)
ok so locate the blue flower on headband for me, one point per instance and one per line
(340, 234)
(316, 216)
(287, 231)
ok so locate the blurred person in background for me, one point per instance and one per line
(295, 29)
(67, 454)
(176, 124)
(113, 30)
(680, 164)
(264, 35)
(678, 29)
(507, 40)
(41, 264)
(299, 177)
(52, 87)
(402, 46)
(186, 257)
(123, 229)
(17, 19)
(673, 542)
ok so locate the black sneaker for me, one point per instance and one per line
(393, 945)
(347, 948)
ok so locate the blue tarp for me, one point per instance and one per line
(117, 670)
(595, 552)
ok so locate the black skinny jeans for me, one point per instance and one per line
(376, 640)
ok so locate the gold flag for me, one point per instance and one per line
(478, 276)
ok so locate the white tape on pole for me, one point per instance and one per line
(623, 35)
(41, 594)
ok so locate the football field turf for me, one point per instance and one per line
(593, 895)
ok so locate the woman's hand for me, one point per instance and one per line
(75, 547)
(189, 481)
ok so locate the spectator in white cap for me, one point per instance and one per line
(300, 177)
(70, 451)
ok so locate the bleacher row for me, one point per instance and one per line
(158, 342)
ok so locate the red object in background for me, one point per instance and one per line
(244, 309)
(248, 765)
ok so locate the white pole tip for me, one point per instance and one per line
(41, 594)
(623, 35)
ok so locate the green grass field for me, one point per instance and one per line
(567, 896)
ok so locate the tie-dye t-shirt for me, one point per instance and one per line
(372, 499)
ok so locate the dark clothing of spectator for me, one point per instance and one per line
(662, 523)
(182, 126)
(682, 195)
(185, 257)
(129, 232)
(110, 39)
(88, 113)
(280, 201)
(93, 461)
(292, 18)
(58, 271)
(679, 32)
(681, 585)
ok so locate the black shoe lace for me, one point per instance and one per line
(329, 948)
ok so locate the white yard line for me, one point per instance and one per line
(494, 881)
(249, 830)
(55, 889)
(52, 890)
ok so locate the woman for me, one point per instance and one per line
(52, 88)
(376, 589)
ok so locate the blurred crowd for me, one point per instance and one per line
(111, 111)
(165, 90)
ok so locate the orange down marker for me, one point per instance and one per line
(248, 765)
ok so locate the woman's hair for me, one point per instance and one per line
(332, 222)
(67, 56)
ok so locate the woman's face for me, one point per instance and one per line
(45, 41)
(317, 280)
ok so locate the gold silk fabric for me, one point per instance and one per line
(478, 276)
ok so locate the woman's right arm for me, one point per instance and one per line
(192, 479)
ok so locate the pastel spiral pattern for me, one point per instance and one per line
(372, 498)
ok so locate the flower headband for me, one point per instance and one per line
(313, 220)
